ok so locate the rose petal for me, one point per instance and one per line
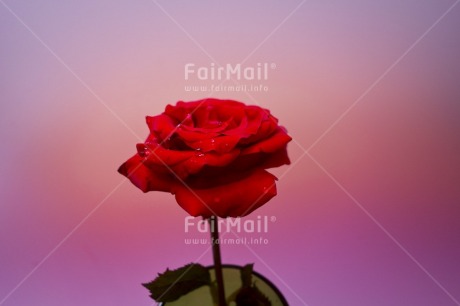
(144, 178)
(162, 126)
(158, 155)
(275, 142)
(181, 110)
(182, 163)
(238, 129)
(255, 116)
(260, 160)
(190, 136)
(213, 127)
(199, 160)
(219, 144)
(267, 127)
(257, 123)
(235, 199)
(276, 159)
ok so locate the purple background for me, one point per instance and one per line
(367, 214)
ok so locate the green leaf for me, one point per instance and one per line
(251, 296)
(246, 275)
(173, 284)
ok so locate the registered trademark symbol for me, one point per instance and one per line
(272, 218)
(273, 66)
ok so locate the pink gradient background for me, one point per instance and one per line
(396, 152)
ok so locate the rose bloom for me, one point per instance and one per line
(212, 155)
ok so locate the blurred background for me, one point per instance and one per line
(367, 213)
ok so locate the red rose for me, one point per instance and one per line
(212, 155)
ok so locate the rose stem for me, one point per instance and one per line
(217, 259)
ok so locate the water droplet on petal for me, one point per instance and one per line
(144, 152)
(200, 154)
